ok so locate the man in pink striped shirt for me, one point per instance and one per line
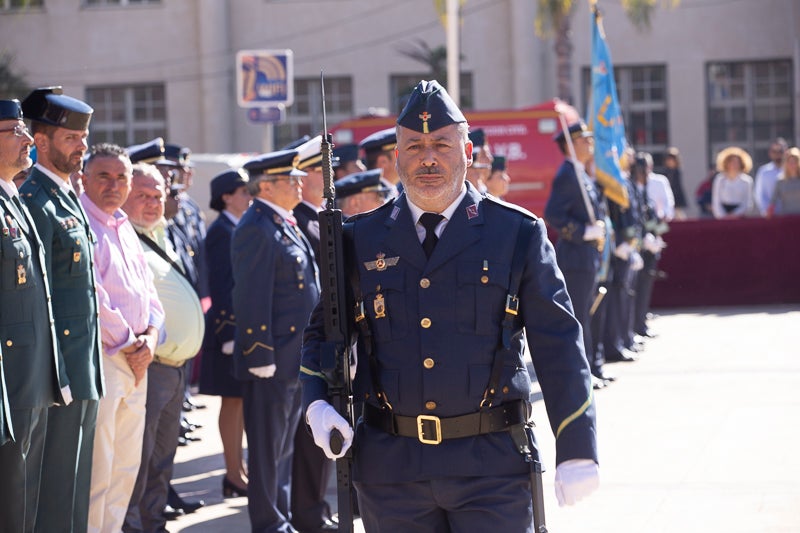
(131, 321)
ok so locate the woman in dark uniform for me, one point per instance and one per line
(229, 196)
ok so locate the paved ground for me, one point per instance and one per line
(700, 435)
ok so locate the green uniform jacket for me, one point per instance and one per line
(69, 251)
(30, 351)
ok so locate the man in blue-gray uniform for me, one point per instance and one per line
(30, 348)
(442, 375)
(576, 211)
(60, 126)
(275, 288)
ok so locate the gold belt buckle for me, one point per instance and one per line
(421, 419)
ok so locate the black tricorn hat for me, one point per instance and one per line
(49, 105)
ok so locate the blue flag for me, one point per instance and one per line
(605, 118)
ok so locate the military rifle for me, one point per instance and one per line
(335, 352)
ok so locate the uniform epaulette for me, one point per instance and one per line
(509, 205)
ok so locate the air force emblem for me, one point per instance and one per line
(381, 263)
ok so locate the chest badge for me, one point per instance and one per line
(381, 262)
(379, 305)
(22, 277)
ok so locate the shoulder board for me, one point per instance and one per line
(491, 200)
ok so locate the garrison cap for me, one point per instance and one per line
(498, 163)
(10, 110)
(576, 130)
(49, 105)
(367, 181)
(273, 163)
(429, 108)
(148, 152)
(226, 183)
(380, 141)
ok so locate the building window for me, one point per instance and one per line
(643, 99)
(402, 85)
(304, 116)
(127, 115)
(749, 105)
(8, 5)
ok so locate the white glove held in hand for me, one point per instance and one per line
(623, 251)
(322, 418)
(575, 480)
(652, 244)
(593, 232)
(227, 347)
(637, 263)
(263, 371)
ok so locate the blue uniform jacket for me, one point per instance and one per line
(566, 212)
(30, 358)
(69, 251)
(275, 288)
(220, 318)
(436, 340)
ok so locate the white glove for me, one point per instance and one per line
(227, 347)
(66, 392)
(651, 243)
(623, 251)
(263, 371)
(575, 480)
(322, 418)
(637, 263)
(593, 232)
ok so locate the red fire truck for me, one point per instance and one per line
(524, 136)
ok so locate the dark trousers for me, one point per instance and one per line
(311, 471)
(598, 327)
(618, 311)
(644, 291)
(451, 505)
(67, 468)
(165, 388)
(21, 470)
(582, 287)
(272, 410)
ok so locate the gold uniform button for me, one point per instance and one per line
(428, 363)
(430, 406)
(292, 329)
(249, 331)
(424, 283)
(66, 332)
(425, 323)
(233, 317)
(484, 279)
(222, 312)
(505, 390)
(9, 343)
(300, 285)
(263, 327)
(217, 321)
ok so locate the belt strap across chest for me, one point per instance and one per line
(429, 429)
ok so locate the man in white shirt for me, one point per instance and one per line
(767, 175)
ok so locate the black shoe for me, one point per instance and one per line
(623, 355)
(604, 374)
(189, 506)
(170, 513)
(598, 383)
(230, 490)
(189, 426)
(189, 405)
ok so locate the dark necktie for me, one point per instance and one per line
(429, 221)
(23, 219)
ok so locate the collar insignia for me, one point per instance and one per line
(472, 211)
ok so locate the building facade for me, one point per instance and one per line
(705, 75)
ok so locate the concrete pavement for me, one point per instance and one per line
(700, 435)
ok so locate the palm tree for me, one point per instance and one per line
(553, 19)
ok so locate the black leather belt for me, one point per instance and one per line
(431, 429)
